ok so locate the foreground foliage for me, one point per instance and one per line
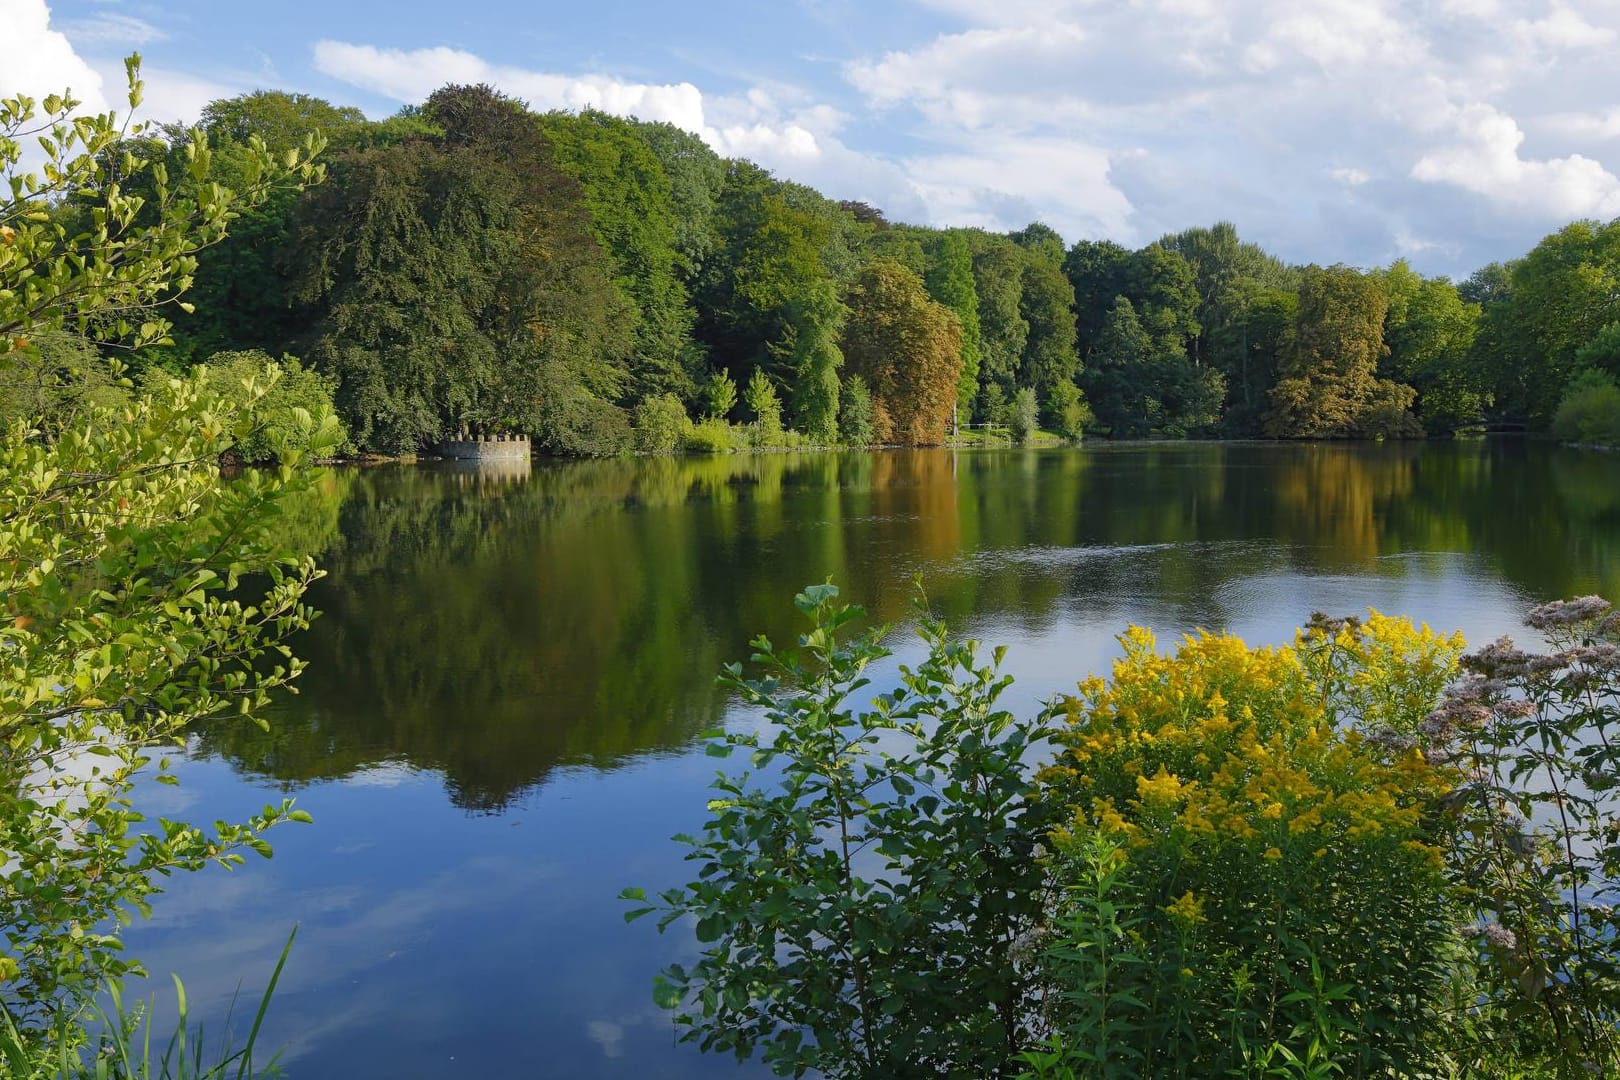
(1362, 854)
(140, 589)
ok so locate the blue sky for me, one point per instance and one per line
(1448, 132)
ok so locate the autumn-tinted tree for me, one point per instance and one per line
(1328, 373)
(908, 349)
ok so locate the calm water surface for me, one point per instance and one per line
(496, 731)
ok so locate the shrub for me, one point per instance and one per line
(855, 418)
(1536, 738)
(1266, 853)
(708, 436)
(859, 913)
(1022, 415)
(661, 424)
(57, 381)
(1589, 411)
(579, 425)
(1068, 412)
(283, 416)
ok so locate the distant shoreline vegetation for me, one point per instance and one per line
(607, 286)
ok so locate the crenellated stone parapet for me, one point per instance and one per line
(465, 447)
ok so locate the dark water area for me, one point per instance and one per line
(497, 730)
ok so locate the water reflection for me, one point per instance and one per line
(493, 624)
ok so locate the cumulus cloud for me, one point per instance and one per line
(411, 75)
(40, 60)
(1493, 118)
(1484, 158)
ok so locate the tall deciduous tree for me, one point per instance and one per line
(950, 282)
(457, 282)
(1328, 373)
(1047, 305)
(632, 214)
(908, 349)
(998, 281)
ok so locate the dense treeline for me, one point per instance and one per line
(469, 264)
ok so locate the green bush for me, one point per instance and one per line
(708, 436)
(57, 381)
(579, 425)
(891, 963)
(1590, 411)
(282, 417)
(1067, 411)
(661, 423)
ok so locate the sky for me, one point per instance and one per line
(1451, 133)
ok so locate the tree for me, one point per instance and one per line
(1430, 331)
(115, 259)
(998, 281)
(855, 412)
(282, 121)
(1226, 273)
(1098, 272)
(720, 395)
(760, 396)
(454, 282)
(1327, 375)
(120, 550)
(1040, 240)
(908, 349)
(950, 282)
(818, 318)
(769, 262)
(1047, 306)
(632, 214)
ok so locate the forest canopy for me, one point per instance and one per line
(470, 264)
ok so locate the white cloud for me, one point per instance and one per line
(1484, 158)
(410, 76)
(39, 59)
(1246, 110)
(111, 28)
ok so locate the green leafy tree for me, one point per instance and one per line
(454, 282)
(761, 398)
(1098, 272)
(950, 282)
(1041, 241)
(281, 412)
(909, 351)
(115, 258)
(818, 319)
(998, 281)
(1047, 306)
(720, 395)
(1023, 415)
(632, 213)
(1430, 330)
(855, 412)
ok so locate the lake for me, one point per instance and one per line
(497, 730)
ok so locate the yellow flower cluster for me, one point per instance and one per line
(1219, 748)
